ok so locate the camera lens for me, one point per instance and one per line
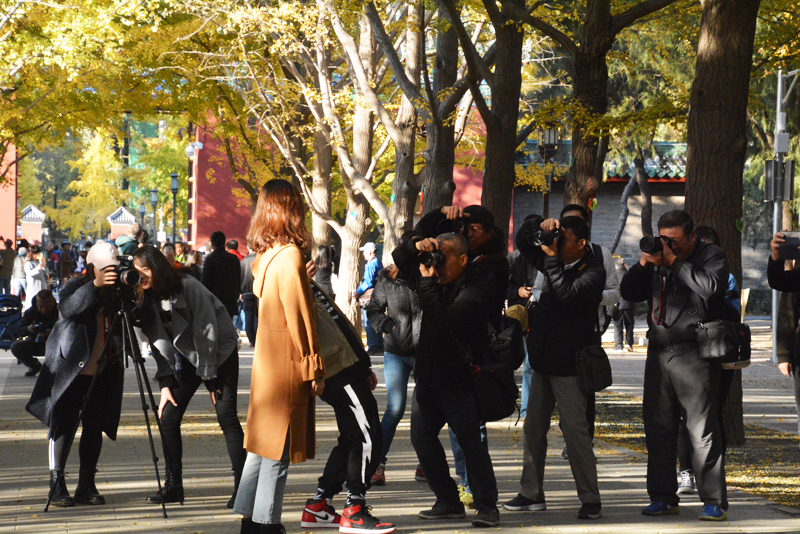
(651, 244)
(129, 277)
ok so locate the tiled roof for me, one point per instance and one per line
(665, 163)
(121, 216)
(32, 214)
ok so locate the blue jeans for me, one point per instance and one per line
(374, 340)
(5, 285)
(396, 370)
(260, 493)
(527, 371)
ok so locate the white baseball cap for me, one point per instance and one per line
(369, 246)
(102, 254)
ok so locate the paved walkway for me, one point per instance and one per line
(126, 470)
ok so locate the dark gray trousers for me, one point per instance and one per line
(676, 378)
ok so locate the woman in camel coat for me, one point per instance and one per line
(287, 369)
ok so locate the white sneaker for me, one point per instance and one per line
(687, 482)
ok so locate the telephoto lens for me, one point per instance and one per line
(430, 259)
(543, 237)
(651, 244)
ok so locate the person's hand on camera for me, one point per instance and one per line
(166, 396)
(427, 271)
(428, 244)
(311, 269)
(552, 248)
(777, 241)
(785, 368)
(667, 256)
(453, 212)
(317, 387)
(524, 292)
(653, 259)
(108, 277)
(550, 225)
(32, 329)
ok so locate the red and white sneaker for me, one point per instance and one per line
(357, 520)
(319, 514)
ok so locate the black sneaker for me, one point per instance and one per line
(443, 510)
(33, 371)
(486, 518)
(524, 504)
(589, 511)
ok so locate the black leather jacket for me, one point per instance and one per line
(394, 311)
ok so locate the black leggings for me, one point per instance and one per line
(92, 422)
(227, 416)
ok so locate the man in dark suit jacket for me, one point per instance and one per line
(221, 274)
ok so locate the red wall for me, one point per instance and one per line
(215, 207)
(8, 197)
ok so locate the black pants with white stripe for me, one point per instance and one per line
(356, 455)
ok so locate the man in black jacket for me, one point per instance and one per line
(37, 321)
(683, 284)
(563, 322)
(222, 274)
(456, 303)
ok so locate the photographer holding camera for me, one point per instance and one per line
(194, 342)
(38, 321)
(683, 281)
(456, 301)
(74, 353)
(564, 322)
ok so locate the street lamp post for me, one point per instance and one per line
(142, 213)
(173, 185)
(154, 203)
(779, 183)
(548, 145)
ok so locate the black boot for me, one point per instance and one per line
(237, 477)
(86, 492)
(58, 486)
(273, 528)
(172, 488)
(248, 527)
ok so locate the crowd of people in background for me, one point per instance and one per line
(428, 314)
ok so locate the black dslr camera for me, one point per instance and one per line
(653, 244)
(127, 275)
(431, 259)
(544, 238)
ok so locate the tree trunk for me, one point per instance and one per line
(437, 180)
(406, 186)
(357, 205)
(501, 136)
(623, 214)
(590, 89)
(644, 191)
(717, 134)
(321, 188)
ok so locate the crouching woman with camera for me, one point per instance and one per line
(74, 352)
(194, 342)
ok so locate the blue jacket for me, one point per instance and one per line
(371, 270)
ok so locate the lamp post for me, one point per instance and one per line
(173, 185)
(548, 145)
(142, 213)
(154, 203)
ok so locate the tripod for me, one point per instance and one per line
(130, 349)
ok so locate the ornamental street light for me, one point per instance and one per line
(173, 185)
(548, 145)
(154, 203)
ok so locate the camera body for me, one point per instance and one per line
(789, 249)
(545, 238)
(651, 244)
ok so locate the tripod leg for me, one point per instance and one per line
(142, 381)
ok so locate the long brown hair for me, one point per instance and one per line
(279, 218)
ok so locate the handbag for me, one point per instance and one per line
(594, 369)
(726, 342)
(496, 391)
